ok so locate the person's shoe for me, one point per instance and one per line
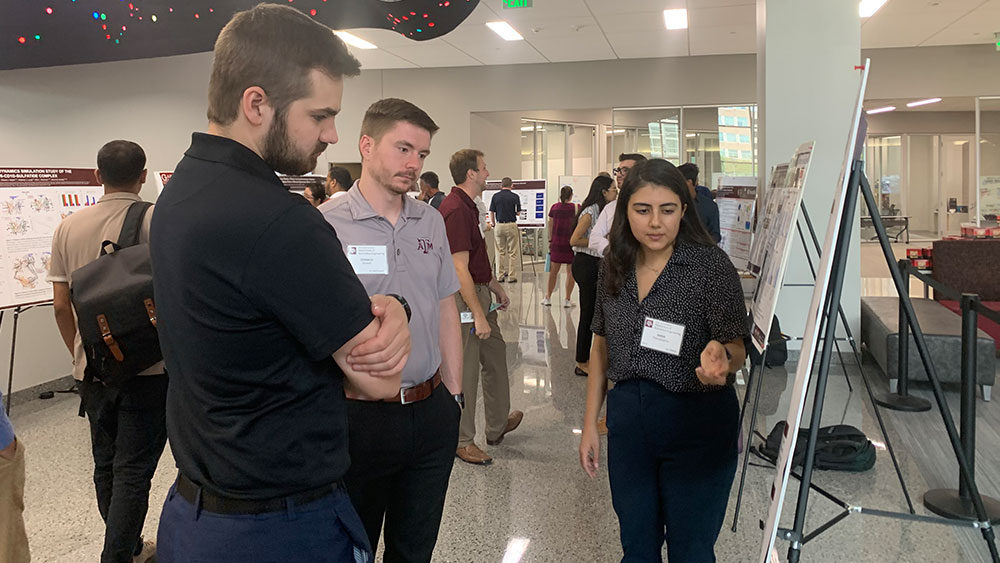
(602, 426)
(502, 278)
(148, 553)
(580, 372)
(513, 421)
(547, 302)
(567, 303)
(511, 280)
(472, 454)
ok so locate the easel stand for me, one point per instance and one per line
(857, 357)
(13, 346)
(796, 535)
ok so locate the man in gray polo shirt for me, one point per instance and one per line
(402, 449)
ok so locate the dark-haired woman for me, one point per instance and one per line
(586, 262)
(562, 216)
(669, 329)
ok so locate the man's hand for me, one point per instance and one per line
(501, 297)
(482, 328)
(386, 353)
(714, 364)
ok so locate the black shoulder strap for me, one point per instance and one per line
(133, 224)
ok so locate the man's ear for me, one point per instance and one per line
(366, 145)
(255, 106)
(97, 176)
(142, 178)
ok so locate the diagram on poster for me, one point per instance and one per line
(793, 420)
(534, 204)
(769, 254)
(33, 201)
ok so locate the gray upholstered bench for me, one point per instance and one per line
(943, 331)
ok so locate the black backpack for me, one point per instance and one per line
(777, 348)
(839, 448)
(113, 300)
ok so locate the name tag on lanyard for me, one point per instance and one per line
(662, 336)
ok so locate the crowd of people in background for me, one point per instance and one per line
(315, 425)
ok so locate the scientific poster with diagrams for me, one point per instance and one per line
(736, 196)
(33, 201)
(769, 254)
(534, 201)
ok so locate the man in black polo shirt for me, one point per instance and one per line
(256, 413)
(505, 206)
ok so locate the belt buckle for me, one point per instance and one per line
(402, 396)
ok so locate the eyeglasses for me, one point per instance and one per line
(621, 171)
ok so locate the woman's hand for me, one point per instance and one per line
(590, 449)
(714, 369)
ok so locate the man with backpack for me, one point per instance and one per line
(127, 417)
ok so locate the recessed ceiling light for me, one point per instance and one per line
(504, 30)
(881, 110)
(867, 8)
(676, 19)
(528, 128)
(354, 40)
(923, 102)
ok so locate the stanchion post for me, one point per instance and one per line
(970, 334)
(901, 400)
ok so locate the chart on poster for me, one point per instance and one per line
(735, 197)
(33, 201)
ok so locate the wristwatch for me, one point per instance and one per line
(402, 301)
(460, 399)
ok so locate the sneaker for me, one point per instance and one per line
(546, 302)
(148, 553)
(511, 280)
(567, 303)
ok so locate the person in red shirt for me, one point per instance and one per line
(562, 220)
(482, 342)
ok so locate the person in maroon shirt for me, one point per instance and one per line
(482, 342)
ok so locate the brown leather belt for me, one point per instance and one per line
(188, 490)
(418, 392)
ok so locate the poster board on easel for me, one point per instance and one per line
(33, 201)
(736, 197)
(793, 420)
(534, 201)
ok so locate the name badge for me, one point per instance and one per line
(662, 336)
(466, 317)
(368, 259)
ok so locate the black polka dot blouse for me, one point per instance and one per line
(699, 289)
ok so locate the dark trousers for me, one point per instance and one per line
(671, 462)
(401, 460)
(326, 530)
(585, 269)
(127, 432)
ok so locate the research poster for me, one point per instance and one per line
(296, 184)
(736, 197)
(33, 201)
(534, 203)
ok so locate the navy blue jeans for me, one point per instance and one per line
(671, 462)
(326, 530)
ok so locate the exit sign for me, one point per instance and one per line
(507, 4)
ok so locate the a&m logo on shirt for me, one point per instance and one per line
(425, 245)
(649, 322)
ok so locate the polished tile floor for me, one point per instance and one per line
(535, 503)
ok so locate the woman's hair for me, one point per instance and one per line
(600, 185)
(623, 248)
(318, 192)
(565, 194)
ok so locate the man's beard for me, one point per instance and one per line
(281, 155)
(386, 179)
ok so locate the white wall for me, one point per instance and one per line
(60, 116)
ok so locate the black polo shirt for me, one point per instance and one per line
(698, 289)
(506, 204)
(253, 296)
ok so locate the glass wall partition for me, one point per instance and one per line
(988, 157)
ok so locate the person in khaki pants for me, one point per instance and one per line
(13, 539)
(505, 207)
(482, 342)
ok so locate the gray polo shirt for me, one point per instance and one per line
(411, 259)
